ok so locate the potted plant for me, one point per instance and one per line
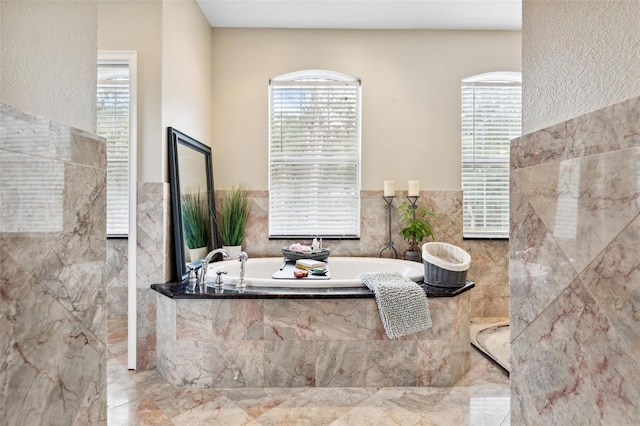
(195, 226)
(416, 228)
(233, 214)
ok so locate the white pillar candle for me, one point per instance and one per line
(414, 188)
(389, 188)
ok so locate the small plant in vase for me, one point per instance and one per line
(233, 215)
(195, 225)
(415, 228)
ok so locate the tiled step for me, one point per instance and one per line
(491, 336)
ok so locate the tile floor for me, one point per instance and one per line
(480, 398)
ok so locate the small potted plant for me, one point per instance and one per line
(233, 214)
(195, 226)
(416, 228)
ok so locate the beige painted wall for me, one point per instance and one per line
(173, 41)
(578, 56)
(47, 60)
(410, 96)
(137, 25)
(186, 73)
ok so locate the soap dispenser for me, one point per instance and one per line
(315, 245)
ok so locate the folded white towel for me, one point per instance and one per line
(402, 304)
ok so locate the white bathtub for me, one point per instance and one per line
(343, 272)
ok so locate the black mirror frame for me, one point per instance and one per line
(176, 138)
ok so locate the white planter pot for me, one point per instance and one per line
(233, 251)
(198, 253)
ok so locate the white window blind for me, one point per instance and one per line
(314, 156)
(491, 117)
(113, 111)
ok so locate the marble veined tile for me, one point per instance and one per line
(540, 147)
(146, 300)
(580, 368)
(257, 401)
(392, 363)
(78, 146)
(416, 400)
(314, 406)
(55, 359)
(140, 412)
(152, 247)
(238, 319)
(614, 281)
(166, 332)
(377, 410)
(32, 190)
(608, 129)
(289, 319)
(469, 406)
(340, 319)
(289, 363)
(30, 134)
(238, 364)
(612, 128)
(538, 269)
(220, 411)
(586, 202)
(24, 133)
(341, 363)
(194, 355)
(435, 360)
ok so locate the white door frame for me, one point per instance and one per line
(131, 58)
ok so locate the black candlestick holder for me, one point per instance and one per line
(389, 245)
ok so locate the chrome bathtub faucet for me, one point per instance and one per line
(205, 264)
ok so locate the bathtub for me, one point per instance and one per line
(343, 272)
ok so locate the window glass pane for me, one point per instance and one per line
(491, 117)
(314, 158)
(113, 124)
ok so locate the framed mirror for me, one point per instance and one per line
(192, 201)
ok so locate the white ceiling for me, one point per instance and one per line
(365, 14)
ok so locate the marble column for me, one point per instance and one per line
(52, 267)
(575, 271)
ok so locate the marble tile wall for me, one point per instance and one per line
(52, 272)
(206, 343)
(154, 263)
(574, 270)
(489, 267)
(117, 278)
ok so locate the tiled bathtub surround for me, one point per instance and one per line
(52, 266)
(489, 267)
(575, 282)
(214, 343)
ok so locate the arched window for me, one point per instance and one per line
(314, 155)
(491, 117)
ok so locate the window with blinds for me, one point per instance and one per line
(491, 117)
(113, 124)
(314, 155)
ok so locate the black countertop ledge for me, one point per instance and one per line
(177, 290)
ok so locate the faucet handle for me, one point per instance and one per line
(219, 278)
(193, 279)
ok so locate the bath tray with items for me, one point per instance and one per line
(302, 261)
(293, 255)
